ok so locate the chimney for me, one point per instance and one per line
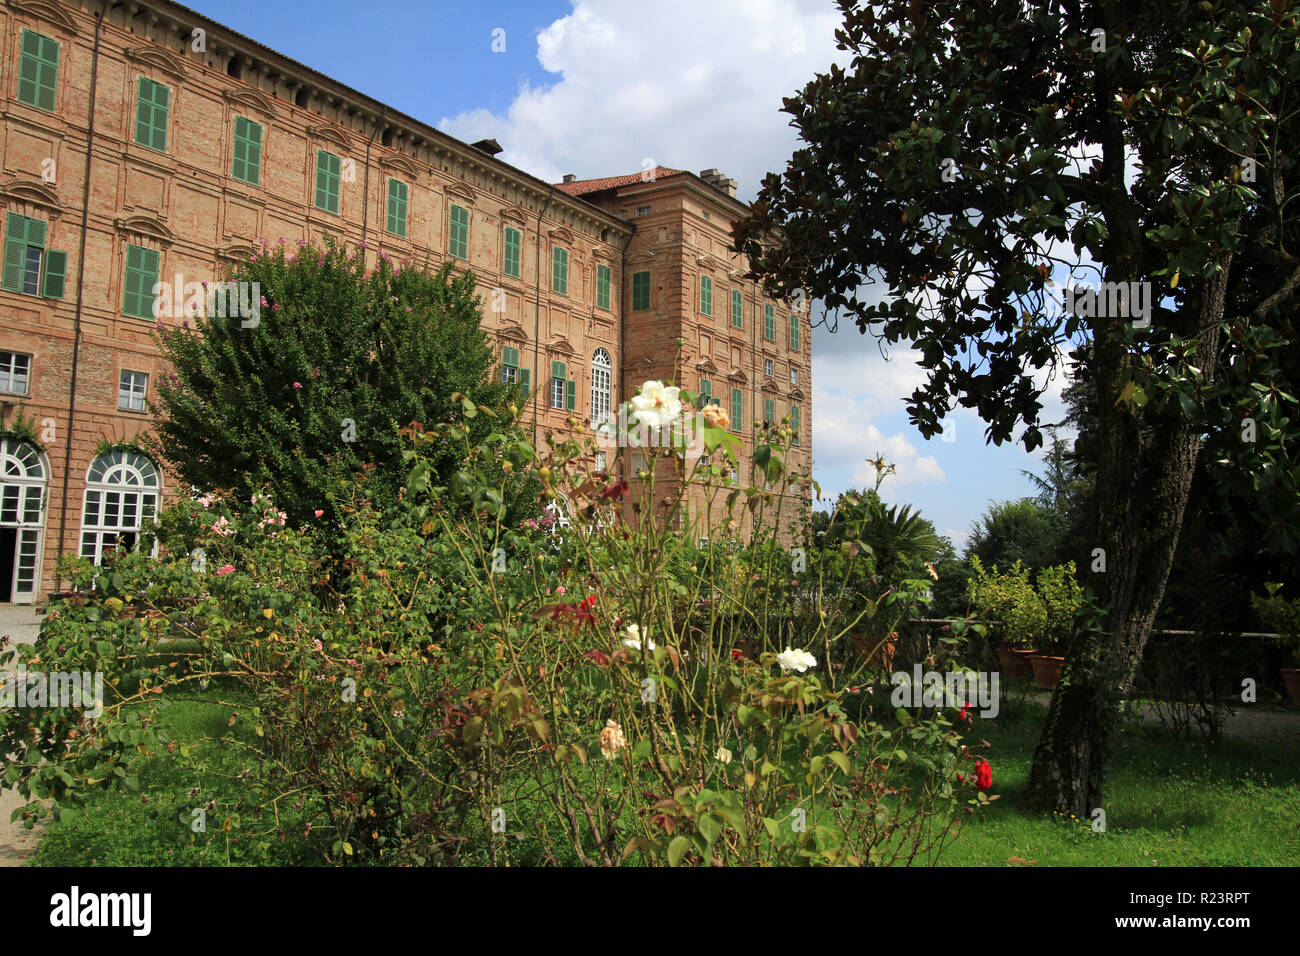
(489, 146)
(719, 181)
(570, 178)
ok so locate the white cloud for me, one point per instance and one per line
(689, 85)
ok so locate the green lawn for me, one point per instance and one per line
(1167, 804)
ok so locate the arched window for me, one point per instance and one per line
(121, 492)
(22, 519)
(601, 368)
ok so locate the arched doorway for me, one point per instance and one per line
(23, 476)
(122, 489)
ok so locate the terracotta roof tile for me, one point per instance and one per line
(583, 186)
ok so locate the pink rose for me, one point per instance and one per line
(318, 512)
(226, 569)
(297, 384)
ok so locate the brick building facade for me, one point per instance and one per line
(201, 143)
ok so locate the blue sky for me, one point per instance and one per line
(596, 87)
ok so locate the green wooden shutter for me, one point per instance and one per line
(56, 268)
(769, 409)
(737, 407)
(640, 291)
(737, 309)
(510, 356)
(247, 162)
(706, 392)
(397, 201)
(514, 245)
(38, 71)
(15, 252)
(794, 331)
(458, 232)
(769, 323)
(328, 170)
(525, 385)
(152, 103)
(558, 370)
(141, 276)
(570, 395)
(706, 295)
(794, 422)
(602, 287)
(560, 271)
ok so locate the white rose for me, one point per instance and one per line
(656, 405)
(799, 660)
(633, 639)
(724, 755)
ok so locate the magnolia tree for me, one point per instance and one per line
(1025, 178)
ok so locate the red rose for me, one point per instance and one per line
(983, 775)
(736, 655)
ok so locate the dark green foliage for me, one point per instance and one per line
(335, 353)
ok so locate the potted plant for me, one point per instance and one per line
(1060, 597)
(1008, 603)
(1283, 616)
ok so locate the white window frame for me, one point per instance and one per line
(557, 393)
(767, 367)
(9, 372)
(124, 487)
(794, 376)
(602, 367)
(127, 381)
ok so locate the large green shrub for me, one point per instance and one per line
(318, 385)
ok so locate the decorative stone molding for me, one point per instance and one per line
(34, 193)
(159, 59)
(250, 98)
(49, 12)
(146, 226)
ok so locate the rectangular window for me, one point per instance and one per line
(141, 276)
(602, 287)
(514, 247)
(769, 323)
(643, 210)
(458, 232)
(38, 71)
(706, 295)
(28, 267)
(397, 197)
(737, 309)
(767, 367)
(794, 423)
(247, 164)
(509, 365)
(640, 291)
(560, 271)
(794, 376)
(15, 372)
(638, 463)
(328, 172)
(131, 388)
(706, 393)
(794, 331)
(151, 104)
(769, 409)
(559, 389)
(600, 461)
(737, 407)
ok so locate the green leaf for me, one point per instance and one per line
(710, 826)
(677, 849)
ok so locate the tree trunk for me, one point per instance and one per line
(1143, 482)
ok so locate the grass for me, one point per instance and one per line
(1167, 804)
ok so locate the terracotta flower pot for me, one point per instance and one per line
(1047, 670)
(1291, 677)
(1014, 662)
